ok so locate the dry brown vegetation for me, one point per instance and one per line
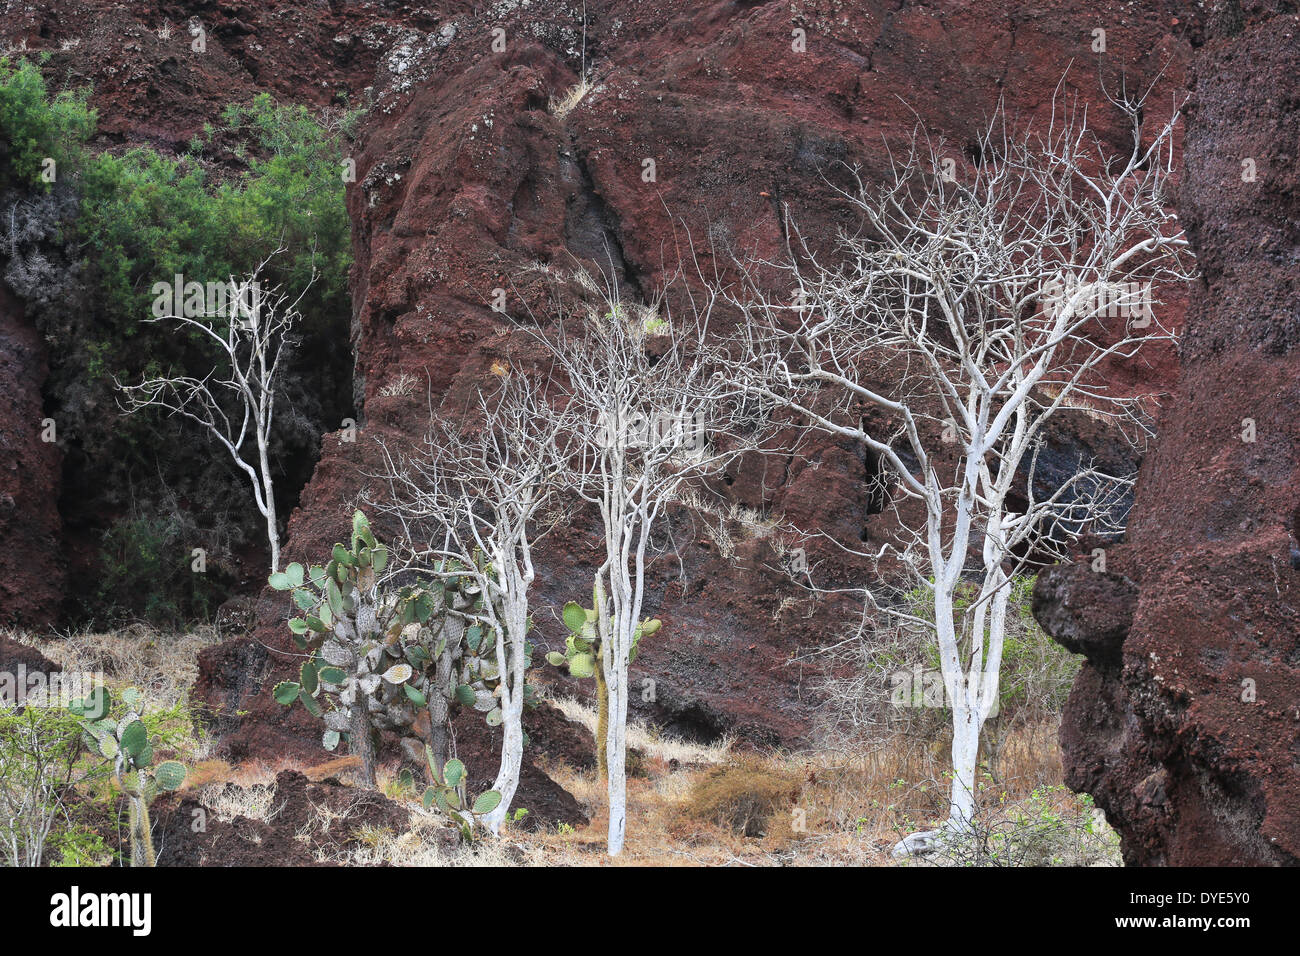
(690, 803)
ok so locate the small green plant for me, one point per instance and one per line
(447, 792)
(78, 845)
(128, 747)
(146, 572)
(582, 658)
(39, 764)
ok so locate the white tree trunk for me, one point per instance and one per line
(966, 724)
(512, 756)
(268, 498)
(512, 637)
(616, 755)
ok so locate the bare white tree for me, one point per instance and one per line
(482, 488)
(642, 397)
(234, 402)
(975, 305)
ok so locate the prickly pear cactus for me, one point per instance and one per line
(582, 658)
(126, 743)
(448, 792)
(581, 655)
(387, 658)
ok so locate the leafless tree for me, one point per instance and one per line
(38, 759)
(640, 393)
(234, 402)
(974, 305)
(481, 487)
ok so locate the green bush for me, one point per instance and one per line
(1050, 827)
(266, 176)
(79, 845)
(36, 126)
(146, 216)
(1036, 673)
(39, 763)
(147, 573)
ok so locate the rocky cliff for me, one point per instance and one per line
(1184, 725)
(472, 183)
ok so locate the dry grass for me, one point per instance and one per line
(692, 804)
(254, 801)
(656, 744)
(162, 665)
(567, 103)
(424, 846)
(823, 808)
(748, 796)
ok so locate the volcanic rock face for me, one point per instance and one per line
(31, 577)
(1190, 741)
(706, 132)
(710, 130)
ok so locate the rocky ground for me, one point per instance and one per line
(689, 803)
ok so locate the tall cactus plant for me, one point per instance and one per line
(382, 658)
(582, 658)
(126, 743)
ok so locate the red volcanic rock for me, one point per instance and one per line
(467, 183)
(1088, 611)
(1190, 742)
(151, 83)
(31, 569)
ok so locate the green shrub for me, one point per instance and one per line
(79, 845)
(146, 573)
(1036, 673)
(265, 176)
(39, 754)
(1050, 827)
(36, 126)
(147, 216)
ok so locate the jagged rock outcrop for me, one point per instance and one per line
(1088, 611)
(1191, 741)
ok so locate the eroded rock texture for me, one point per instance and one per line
(31, 579)
(1190, 740)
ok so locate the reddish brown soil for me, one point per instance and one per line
(186, 833)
